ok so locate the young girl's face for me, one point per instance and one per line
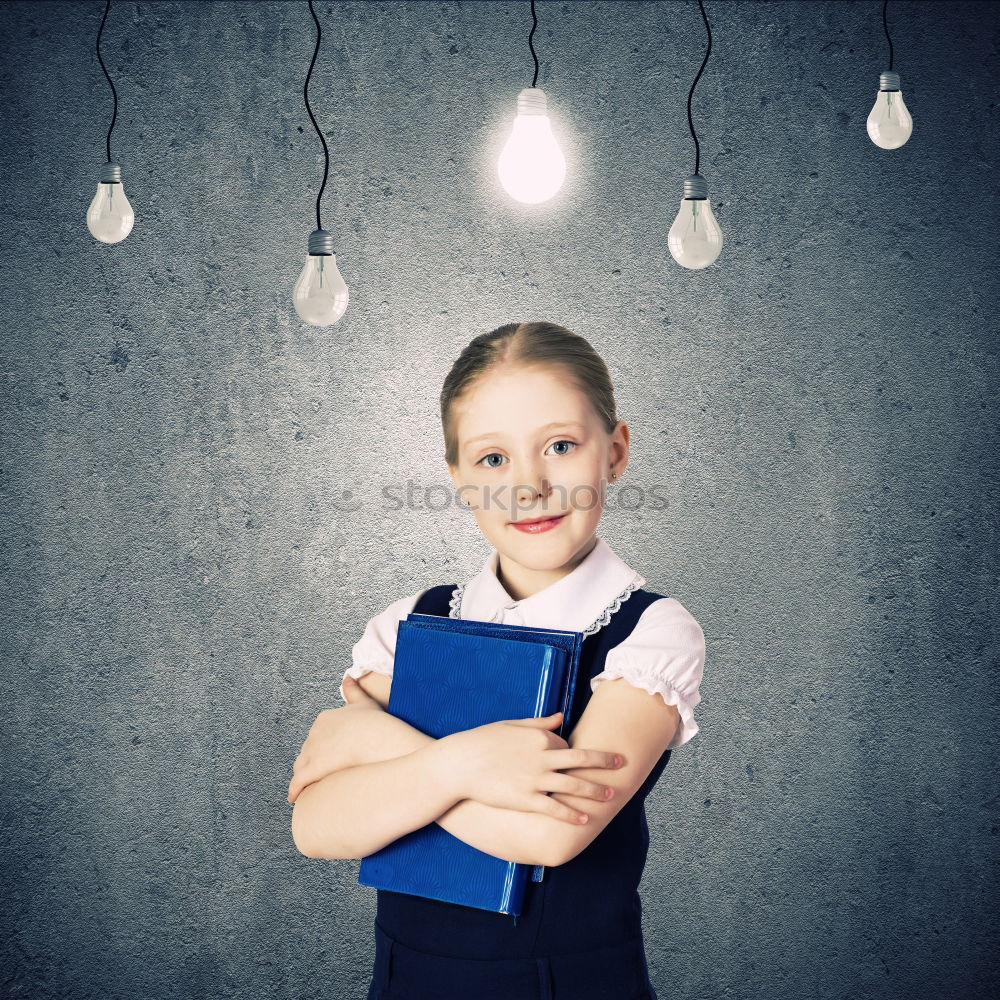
(531, 445)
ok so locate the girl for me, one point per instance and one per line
(532, 440)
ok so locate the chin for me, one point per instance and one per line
(554, 546)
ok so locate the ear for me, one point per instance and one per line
(620, 446)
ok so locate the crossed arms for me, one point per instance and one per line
(400, 779)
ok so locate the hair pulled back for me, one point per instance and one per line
(539, 344)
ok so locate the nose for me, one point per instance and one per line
(529, 485)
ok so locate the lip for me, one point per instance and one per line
(537, 525)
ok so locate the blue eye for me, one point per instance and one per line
(573, 443)
(496, 454)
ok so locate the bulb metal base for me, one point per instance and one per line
(111, 173)
(888, 81)
(320, 243)
(695, 188)
(532, 101)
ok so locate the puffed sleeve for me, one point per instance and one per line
(376, 649)
(665, 655)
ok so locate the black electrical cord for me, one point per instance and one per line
(114, 92)
(534, 24)
(708, 51)
(885, 25)
(305, 93)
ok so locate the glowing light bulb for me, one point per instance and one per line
(889, 121)
(695, 239)
(110, 217)
(531, 167)
(320, 293)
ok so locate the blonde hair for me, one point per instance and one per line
(528, 344)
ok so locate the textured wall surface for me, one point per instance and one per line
(184, 576)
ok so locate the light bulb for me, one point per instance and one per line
(695, 238)
(889, 122)
(531, 166)
(110, 216)
(320, 293)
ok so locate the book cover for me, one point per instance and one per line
(450, 675)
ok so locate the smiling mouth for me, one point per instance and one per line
(539, 520)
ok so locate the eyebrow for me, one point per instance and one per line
(547, 427)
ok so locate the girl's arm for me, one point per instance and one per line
(651, 727)
(527, 837)
(356, 811)
(509, 834)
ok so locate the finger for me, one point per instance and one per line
(355, 691)
(566, 784)
(559, 810)
(542, 720)
(295, 789)
(299, 782)
(580, 757)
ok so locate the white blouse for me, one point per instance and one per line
(665, 654)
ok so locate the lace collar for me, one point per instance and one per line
(582, 601)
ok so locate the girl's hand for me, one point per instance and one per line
(335, 741)
(513, 764)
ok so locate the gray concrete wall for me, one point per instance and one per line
(184, 577)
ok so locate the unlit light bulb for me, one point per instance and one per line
(531, 166)
(320, 293)
(110, 217)
(889, 122)
(695, 239)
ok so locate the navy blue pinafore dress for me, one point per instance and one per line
(579, 936)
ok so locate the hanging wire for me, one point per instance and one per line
(534, 24)
(708, 52)
(885, 25)
(114, 92)
(305, 93)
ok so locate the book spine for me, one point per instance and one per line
(542, 703)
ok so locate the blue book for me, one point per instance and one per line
(450, 675)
